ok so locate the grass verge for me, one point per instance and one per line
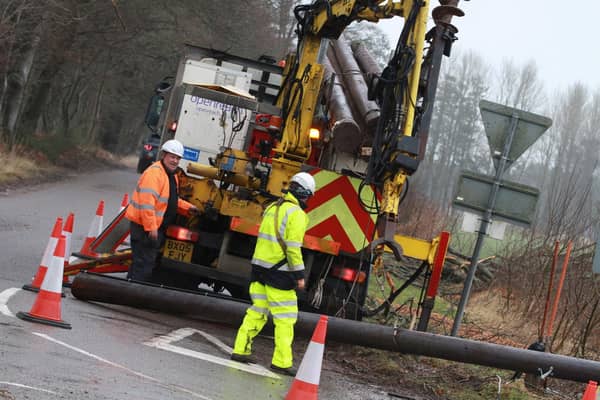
(21, 167)
(18, 166)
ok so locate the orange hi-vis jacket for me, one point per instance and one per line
(150, 198)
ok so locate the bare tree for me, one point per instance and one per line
(284, 24)
(456, 138)
(10, 19)
(22, 49)
(562, 166)
(373, 38)
(520, 88)
(85, 73)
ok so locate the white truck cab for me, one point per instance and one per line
(212, 104)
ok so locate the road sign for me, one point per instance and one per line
(514, 203)
(497, 121)
(509, 132)
(471, 224)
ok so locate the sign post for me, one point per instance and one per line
(595, 209)
(596, 260)
(510, 132)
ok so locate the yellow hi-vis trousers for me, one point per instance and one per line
(283, 306)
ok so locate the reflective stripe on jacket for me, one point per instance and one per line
(293, 222)
(150, 198)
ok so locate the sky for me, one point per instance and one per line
(560, 36)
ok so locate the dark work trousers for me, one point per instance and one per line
(144, 253)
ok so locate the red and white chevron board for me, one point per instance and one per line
(335, 211)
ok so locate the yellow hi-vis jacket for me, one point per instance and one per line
(150, 198)
(293, 222)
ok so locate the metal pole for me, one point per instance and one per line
(95, 287)
(434, 281)
(550, 283)
(485, 222)
(563, 274)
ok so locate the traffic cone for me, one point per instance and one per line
(124, 204)
(46, 308)
(67, 232)
(590, 391)
(46, 258)
(306, 383)
(95, 230)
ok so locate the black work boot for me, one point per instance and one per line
(291, 371)
(243, 358)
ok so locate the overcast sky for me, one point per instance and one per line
(562, 37)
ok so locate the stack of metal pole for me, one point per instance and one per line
(353, 117)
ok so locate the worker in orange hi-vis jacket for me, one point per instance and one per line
(153, 207)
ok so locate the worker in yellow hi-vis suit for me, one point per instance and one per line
(277, 269)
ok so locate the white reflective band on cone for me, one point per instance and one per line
(310, 368)
(54, 275)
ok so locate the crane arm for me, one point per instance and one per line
(304, 72)
(405, 90)
(406, 106)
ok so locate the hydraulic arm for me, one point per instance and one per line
(304, 72)
(405, 91)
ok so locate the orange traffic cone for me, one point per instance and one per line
(306, 382)
(124, 202)
(46, 308)
(95, 230)
(590, 391)
(67, 232)
(46, 258)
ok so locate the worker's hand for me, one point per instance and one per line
(152, 237)
(300, 283)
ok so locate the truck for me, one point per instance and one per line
(249, 125)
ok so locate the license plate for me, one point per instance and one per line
(178, 250)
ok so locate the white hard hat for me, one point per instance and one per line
(305, 180)
(173, 146)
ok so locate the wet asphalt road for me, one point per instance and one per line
(115, 352)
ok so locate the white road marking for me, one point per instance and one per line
(164, 343)
(26, 387)
(182, 333)
(4, 297)
(220, 345)
(139, 374)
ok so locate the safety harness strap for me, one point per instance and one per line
(278, 235)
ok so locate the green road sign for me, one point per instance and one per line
(514, 203)
(497, 122)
